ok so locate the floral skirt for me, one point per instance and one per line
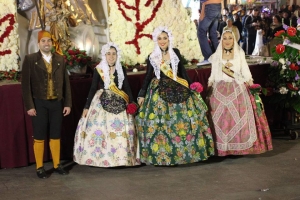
(235, 122)
(173, 133)
(104, 139)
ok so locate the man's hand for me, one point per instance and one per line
(66, 111)
(31, 112)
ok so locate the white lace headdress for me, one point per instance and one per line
(216, 59)
(104, 65)
(156, 56)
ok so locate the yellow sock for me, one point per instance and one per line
(55, 151)
(38, 148)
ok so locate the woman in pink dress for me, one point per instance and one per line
(239, 129)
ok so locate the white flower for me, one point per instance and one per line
(283, 90)
(122, 31)
(283, 66)
(282, 61)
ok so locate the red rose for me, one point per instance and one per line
(131, 108)
(280, 48)
(293, 66)
(291, 31)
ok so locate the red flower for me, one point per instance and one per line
(131, 108)
(291, 31)
(291, 86)
(254, 86)
(196, 86)
(280, 48)
(71, 52)
(279, 33)
(293, 66)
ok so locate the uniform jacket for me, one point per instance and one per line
(35, 79)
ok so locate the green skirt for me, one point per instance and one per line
(173, 133)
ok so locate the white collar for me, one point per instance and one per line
(47, 58)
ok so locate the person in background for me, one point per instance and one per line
(171, 123)
(222, 24)
(244, 30)
(233, 28)
(239, 129)
(227, 13)
(208, 23)
(252, 24)
(274, 27)
(47, 98)
(105, 135)
(237, 22)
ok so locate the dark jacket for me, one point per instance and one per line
(98, 80)
(35, 79)
(150, 71)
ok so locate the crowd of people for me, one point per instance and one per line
(253, 27)
(169, 125)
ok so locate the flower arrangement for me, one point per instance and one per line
(9, 58)
(75, 57)
(284, 71)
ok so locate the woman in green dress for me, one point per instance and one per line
(171, 123)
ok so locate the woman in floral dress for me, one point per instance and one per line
(105, 136)
(239, 128)
(171, 123)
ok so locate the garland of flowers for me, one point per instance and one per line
(139, 26)
(8, 41)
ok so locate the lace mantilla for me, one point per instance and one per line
(104, 65)
(156, 56)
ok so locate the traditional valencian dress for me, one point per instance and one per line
(172, 124)
(238, 127)
(106, 137)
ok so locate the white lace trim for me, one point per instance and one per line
(104, 65)
(156, 56)
(248, 117)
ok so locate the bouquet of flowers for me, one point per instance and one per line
(285, 69)
(196, 86)
(75, 57)
(131, 108)
(255, 89)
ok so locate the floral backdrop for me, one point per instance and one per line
(9, 46)
(133, 21)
